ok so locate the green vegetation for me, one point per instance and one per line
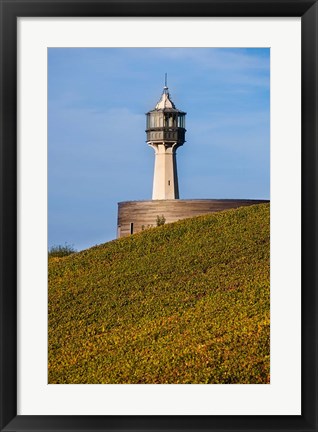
(181, 303)
(61, 251)
(161, 220)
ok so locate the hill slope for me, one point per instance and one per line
(183, 303)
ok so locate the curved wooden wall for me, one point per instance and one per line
(134, 216)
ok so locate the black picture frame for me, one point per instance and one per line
(10, 11)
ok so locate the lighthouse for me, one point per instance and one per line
(165, 134)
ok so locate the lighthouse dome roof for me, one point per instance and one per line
(165, 101)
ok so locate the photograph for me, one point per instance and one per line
(158, 215)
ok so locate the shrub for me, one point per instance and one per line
(160, 220)
(61, 251)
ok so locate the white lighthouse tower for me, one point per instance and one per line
(165, 133)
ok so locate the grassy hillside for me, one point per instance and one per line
(182, 303)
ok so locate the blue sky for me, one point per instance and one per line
(97, 154)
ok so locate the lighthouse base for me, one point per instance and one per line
(136, 216)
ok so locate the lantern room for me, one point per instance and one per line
(165, 123)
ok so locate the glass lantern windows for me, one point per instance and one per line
(170, 120)
(181, 120)
(155, 120)
(167, 120)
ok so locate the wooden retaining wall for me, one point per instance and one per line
(134, 216)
